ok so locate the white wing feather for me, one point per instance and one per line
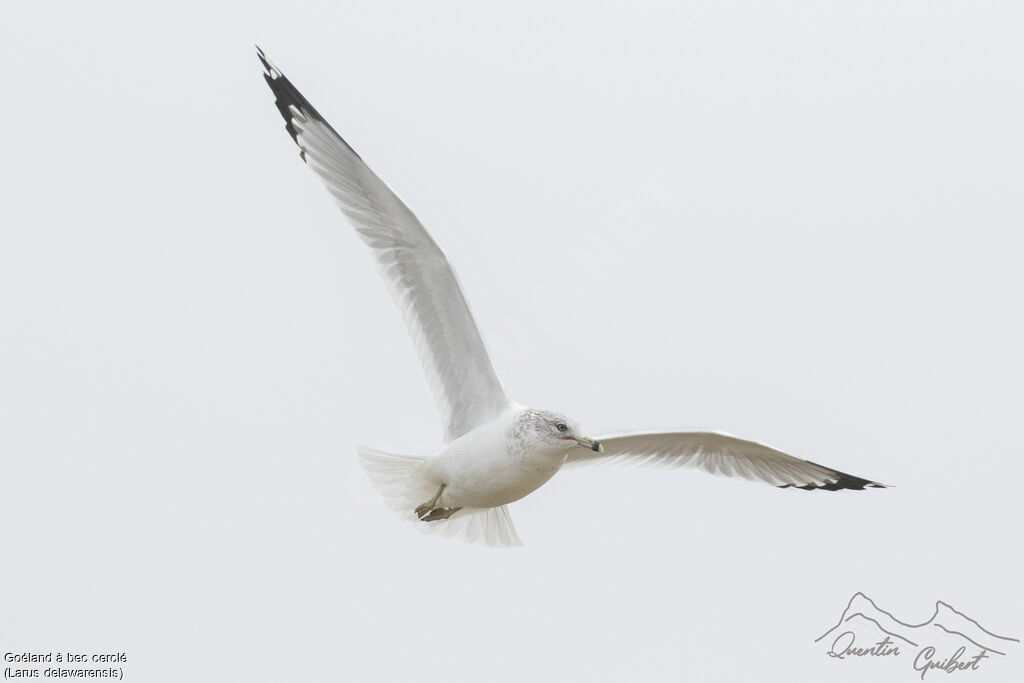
(720, 454)
(417, 273)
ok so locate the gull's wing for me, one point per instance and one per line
(720, 454)
(424, 286)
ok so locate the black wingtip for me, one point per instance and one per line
(842, 481)
(287, 96)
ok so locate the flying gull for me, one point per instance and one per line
(496, 450)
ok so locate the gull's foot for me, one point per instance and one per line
(427, 513)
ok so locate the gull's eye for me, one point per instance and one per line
(561, 426)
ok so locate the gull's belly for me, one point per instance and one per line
(494, 478)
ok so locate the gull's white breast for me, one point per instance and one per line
(488, 466)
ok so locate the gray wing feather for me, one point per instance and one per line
(720, 454)
(416, 271)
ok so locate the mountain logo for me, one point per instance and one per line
(949, 641)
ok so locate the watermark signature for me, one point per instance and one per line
(950, 641)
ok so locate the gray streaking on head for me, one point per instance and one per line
(496, 451)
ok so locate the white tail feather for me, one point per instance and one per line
(404, 482)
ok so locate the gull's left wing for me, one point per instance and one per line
(417, 273)
(720, 454)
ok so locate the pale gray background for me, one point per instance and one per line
(797, 224)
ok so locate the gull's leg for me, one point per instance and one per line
(428, 513)
(425, 509)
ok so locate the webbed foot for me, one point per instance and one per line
(428, 512)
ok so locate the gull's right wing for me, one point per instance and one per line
(417, 273)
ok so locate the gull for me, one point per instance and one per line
(496, 450)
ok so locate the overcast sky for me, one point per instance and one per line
(799, 225)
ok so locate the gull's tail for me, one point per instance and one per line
(405, 483)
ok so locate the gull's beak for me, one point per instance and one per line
(587, 442)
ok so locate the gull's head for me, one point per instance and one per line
(551, 430)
